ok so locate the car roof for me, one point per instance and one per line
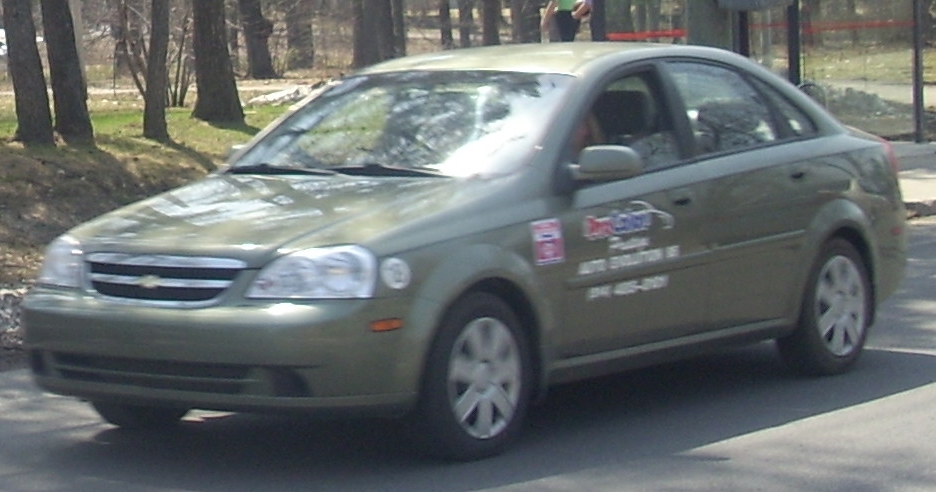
(565, 58)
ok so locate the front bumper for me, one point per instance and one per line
(252, 357)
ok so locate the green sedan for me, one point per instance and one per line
(442, 237)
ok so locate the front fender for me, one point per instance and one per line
(477, 266)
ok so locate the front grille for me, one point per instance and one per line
(161, 278)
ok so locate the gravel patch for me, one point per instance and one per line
(12, 354)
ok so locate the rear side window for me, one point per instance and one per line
(799, 125)
(726, 112)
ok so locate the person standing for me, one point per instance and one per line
(568, 15)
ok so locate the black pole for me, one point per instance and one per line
(743, 33)
(918, 102)
(794, 43)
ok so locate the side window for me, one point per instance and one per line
(796, 120)
(628, 113)
(725, 111)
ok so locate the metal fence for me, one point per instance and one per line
(857, 57)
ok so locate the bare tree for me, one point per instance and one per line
(127, 22)
(299, 37)
(154, 111)
(382, 11)
(33, 116)
(465, 22)
(525, 17)
(217, 98)
(257, 31)
(69, 92)
(373, 32)
(445, 25)
(399, 27)
(490, 22)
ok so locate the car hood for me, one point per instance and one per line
(249, 216)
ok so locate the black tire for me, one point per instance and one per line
(835, 315)
(137, 416)
(477, 384)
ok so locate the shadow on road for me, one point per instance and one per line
(620, 421)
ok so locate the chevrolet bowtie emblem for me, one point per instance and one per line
(148, 282)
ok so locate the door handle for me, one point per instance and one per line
(682, 200)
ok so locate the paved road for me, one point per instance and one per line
(736, 421)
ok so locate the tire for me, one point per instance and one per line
(138, 417)
(477, 384)
(835, 315)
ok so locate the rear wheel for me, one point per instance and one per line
(835, 315)
(477, 384)
(137, 416)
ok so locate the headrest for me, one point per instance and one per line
(623, 112)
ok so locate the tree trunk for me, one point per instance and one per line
(126, 28)
(299, 39)
(445, 25)
(233, 33)
(69, 92)
(217, 99)
(33, 116)
(374, 37)
(490, 22)
(366, 51)
(382, 11)
(465, 22)
(526, 21)
(154, 111)
(257, 32)
(399, 27)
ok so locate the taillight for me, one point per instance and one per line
(891, 156)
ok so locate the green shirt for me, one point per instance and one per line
(565, 4)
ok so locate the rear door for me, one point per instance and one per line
(765, 190)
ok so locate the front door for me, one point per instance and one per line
(635, 269)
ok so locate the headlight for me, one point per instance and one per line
(63, 265)
(340, 272)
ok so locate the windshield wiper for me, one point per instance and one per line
(269, 169)
(377, 169)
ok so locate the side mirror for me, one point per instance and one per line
(607, 163)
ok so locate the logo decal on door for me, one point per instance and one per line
(638, 217)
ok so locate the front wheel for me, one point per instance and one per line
(477, 383)
(835, 315)
(137, 416)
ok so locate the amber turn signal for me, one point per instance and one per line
(386, 324)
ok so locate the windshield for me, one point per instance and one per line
(414, 123)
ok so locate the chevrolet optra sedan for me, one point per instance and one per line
(442, 237)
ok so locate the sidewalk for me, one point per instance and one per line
(917, 176)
